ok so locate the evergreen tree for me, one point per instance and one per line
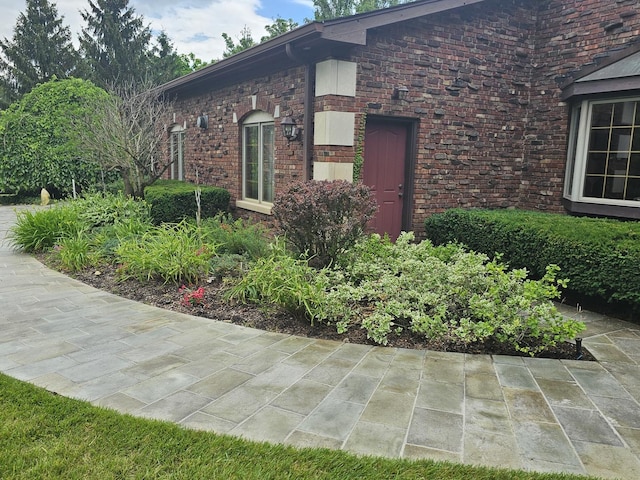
(41, 48)
(115, 43)
(168, 64)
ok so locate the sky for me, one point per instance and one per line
(194, 26)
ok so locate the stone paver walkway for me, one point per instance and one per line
(535, 414)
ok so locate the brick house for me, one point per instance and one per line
(450, 103)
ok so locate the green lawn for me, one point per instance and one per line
(45, 436)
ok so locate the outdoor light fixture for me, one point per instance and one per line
(202, 121)
(400, 92)
(289, 128)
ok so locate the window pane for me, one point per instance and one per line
(599, 139)
(571, 156)
(634, 165)
(617, 164)
(593, 186)
(620, 139)
(601, 115)
(267, 162)
(251, 159)
(623, 113)
(633, 189)
(635, 139)
(596, 163)
(614, 188)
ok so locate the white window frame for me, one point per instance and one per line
(176, 152)
(259, 119)
(578, 146)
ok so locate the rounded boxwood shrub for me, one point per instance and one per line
(172, 200)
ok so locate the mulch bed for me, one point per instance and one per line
(167, 296)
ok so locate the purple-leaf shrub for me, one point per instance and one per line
(320, 218)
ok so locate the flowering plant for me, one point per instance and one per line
(191, 297)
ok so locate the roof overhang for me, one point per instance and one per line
(617, 74)
(306, 44)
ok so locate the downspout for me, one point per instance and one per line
(307, 122)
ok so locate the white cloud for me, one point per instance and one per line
(195, 26)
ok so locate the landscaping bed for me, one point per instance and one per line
(167, 296)
(335, 282)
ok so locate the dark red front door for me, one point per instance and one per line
(385, 150)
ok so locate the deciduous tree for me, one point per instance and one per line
(329, 9)
(39, 138)
(129, 137)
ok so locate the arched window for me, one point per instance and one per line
(176, 150)
(258, 159)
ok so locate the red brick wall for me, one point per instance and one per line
(483, 90)
(216, 150)
(571, 34)
(468, 74)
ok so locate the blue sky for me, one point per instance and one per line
(195, 26)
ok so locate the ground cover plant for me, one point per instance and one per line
(47, 436)
(407, 293)
(442, 293)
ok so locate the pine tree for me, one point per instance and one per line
(41, 48)
(168, 64)
(115, 43)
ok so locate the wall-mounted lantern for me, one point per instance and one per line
(400, 92)
(289, 128)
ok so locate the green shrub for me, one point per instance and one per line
(172, 252)
(40, 230)
(599, 256)
(99, 210)
(236, 236)
(172, 201)
(41, 141)
(107, 239)
(322, 218)
(280, 279)
(442, 292)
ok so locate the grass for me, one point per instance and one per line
(46, 436)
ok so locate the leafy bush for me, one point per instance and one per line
(280, 279)
(599, 256)
(38, 231)
(172, 252)
(41, 145)
(440, 292)
(98, 210)
(443, 292)
(106, 239)
(322, 218)
(172, 200)
(236, 236)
